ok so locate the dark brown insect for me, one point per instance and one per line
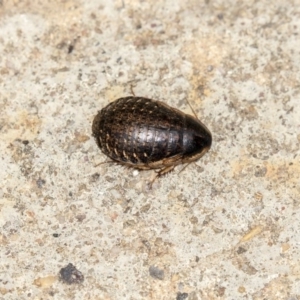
(148, 134)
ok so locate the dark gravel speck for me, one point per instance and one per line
(70, 275)
(182, 296)
(156, 273)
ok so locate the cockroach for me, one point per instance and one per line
(148, 134)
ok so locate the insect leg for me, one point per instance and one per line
(184, 167)
(160, 173)
(164, 171)
(106, 162)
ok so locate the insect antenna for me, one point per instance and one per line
(192, 109)
(131, 89)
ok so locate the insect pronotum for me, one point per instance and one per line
(148, 134)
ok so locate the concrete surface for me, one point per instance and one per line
(226, 227)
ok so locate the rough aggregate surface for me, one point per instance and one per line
(226, 227)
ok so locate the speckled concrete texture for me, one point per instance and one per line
(226, 227)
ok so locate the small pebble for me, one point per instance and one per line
(71, 275)
(182, 296)
(156, 273)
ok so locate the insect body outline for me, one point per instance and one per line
(149, 134)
